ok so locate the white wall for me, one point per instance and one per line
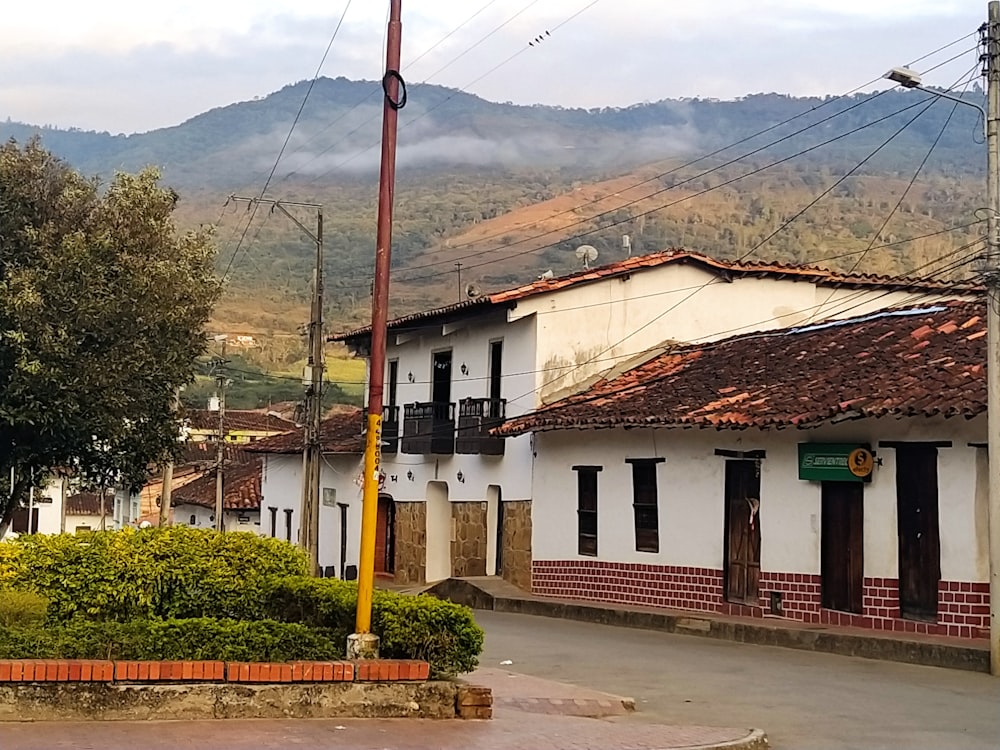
(281, 488)
(584, 330)
(691, 486)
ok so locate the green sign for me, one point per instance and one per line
(835, 462)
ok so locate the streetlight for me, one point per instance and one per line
(991, 275)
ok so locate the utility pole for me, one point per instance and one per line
(362, 643)
(220, 454)
(312, 449)
(992, 276)
(166, 492)
(458, 267)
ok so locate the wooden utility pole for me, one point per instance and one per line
(362, 643)
(220, 453)
(992, 277)
(166, 491)
(313, 412)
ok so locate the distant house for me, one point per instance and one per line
(460, 495)
(194, 503)
(239, 426)
(827, 473)
(340, 494)
(84, 511)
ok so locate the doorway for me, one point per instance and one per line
(385, 536)
(441, 378)
(842, 546)
(919, 537)
(741, 573)
(438, 532)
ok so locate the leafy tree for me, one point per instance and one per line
(102, 303)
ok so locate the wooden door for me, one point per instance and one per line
(385, 552)
(742, 532)
(919, 538)
(842, 546)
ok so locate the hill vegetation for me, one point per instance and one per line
(510, 191)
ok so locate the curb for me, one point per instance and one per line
(756, 740)
(924, 653)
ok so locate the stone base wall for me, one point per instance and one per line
(516, 540)
(468, 547)
(411, 542)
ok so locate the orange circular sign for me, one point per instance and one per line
(860, 462)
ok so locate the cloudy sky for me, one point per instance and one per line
(126, 66)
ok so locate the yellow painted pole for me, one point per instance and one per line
(362, 643)
(369, 519)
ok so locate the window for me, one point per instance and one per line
(288, 524)
(644, 504)
(393, 381)
(586, 509)
(496, 367)
(274, 521)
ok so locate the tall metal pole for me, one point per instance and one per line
(362, 643)
(992, 275)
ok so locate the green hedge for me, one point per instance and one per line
(150, 579)
(195, 639)
(175, 572)
(410, 627)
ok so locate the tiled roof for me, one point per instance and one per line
(202, 454)
(341, 433)
(235, 419)
(638, 263)
(240, 488)
(926, 361)
(89, 504)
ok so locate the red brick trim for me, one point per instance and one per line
(82, 670)
(963, 606)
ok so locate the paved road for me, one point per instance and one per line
(804, 701)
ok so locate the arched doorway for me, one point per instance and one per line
(438, 532)
(385, 536)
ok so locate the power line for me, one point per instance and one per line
(909, 185)
(742, 257)
(288, 137)
(683, 199)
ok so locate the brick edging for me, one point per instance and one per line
(91, 670)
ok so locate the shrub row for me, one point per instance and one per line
(200, 639)
(131, 584)
(175, 572)
(410, 627)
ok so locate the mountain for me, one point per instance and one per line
(509, 191)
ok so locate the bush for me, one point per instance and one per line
(156, 640)
(410, 627)
(22, 609)
(174, 572)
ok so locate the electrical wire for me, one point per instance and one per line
(288, 137)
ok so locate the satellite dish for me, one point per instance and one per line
(472, 291)
(586, 253)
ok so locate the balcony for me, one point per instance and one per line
(428, 427)
(476, 417)
(390, 429)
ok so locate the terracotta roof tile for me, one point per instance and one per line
(638, 263)
(796, 377)
(240, 488)
(89, 504)
(236, 419)
(341, 433)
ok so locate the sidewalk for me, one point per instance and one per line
(529, 713)
(496, 594)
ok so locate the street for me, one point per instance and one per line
(804, 701)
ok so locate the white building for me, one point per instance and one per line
(194, 503)
(340, 496)
(834, 473)
(462, 497)
(84, 512)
